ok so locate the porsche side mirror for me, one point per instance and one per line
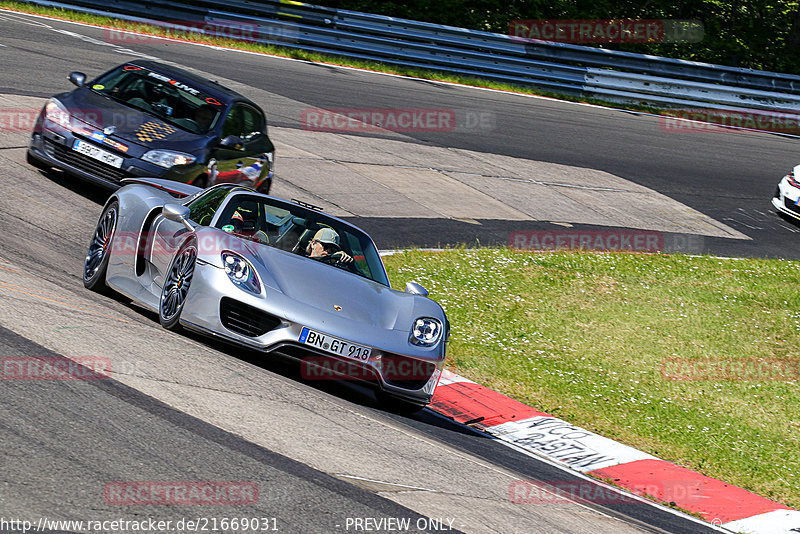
(233, 142)
(77, 78)
(416, 289)
(178, 213)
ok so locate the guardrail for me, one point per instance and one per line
(559, 67)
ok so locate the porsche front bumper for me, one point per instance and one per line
(274, 324)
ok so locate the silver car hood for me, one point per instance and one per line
(328, 288)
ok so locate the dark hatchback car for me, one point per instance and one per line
(145, 118)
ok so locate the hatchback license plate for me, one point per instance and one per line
(99, 154)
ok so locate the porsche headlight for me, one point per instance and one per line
(240, 272)
(168, 158)
(426, 332)
(55, 112)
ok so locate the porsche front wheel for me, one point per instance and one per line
(176, 285)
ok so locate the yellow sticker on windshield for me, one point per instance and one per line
(98, 86)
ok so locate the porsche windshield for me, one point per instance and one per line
(171, 100)
(291, 228)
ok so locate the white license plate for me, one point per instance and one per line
(99, 154)
(334, 345)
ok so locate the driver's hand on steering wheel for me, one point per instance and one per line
(342, 256)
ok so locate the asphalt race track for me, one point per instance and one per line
(178, 408)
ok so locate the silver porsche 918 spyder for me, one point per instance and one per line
(277, 276)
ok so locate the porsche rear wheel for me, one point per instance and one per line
(96, 264)
(176, 285)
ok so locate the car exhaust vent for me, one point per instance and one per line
(404, 372)
(244, 319)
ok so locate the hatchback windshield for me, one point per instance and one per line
(171, 100)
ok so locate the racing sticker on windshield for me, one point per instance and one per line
(176, 83)
(153, 131)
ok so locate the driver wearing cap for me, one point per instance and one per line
(324, 244)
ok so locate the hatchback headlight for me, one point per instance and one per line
(426, 331)
(168, 158)
(55, 112)
(240, 272)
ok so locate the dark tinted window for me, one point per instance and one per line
(243, 121)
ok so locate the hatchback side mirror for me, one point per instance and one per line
(77, 78)
(233, 142)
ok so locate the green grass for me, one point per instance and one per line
(583, 335)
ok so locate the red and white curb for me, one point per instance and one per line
(720, 504)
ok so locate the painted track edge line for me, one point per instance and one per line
(534, 432)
